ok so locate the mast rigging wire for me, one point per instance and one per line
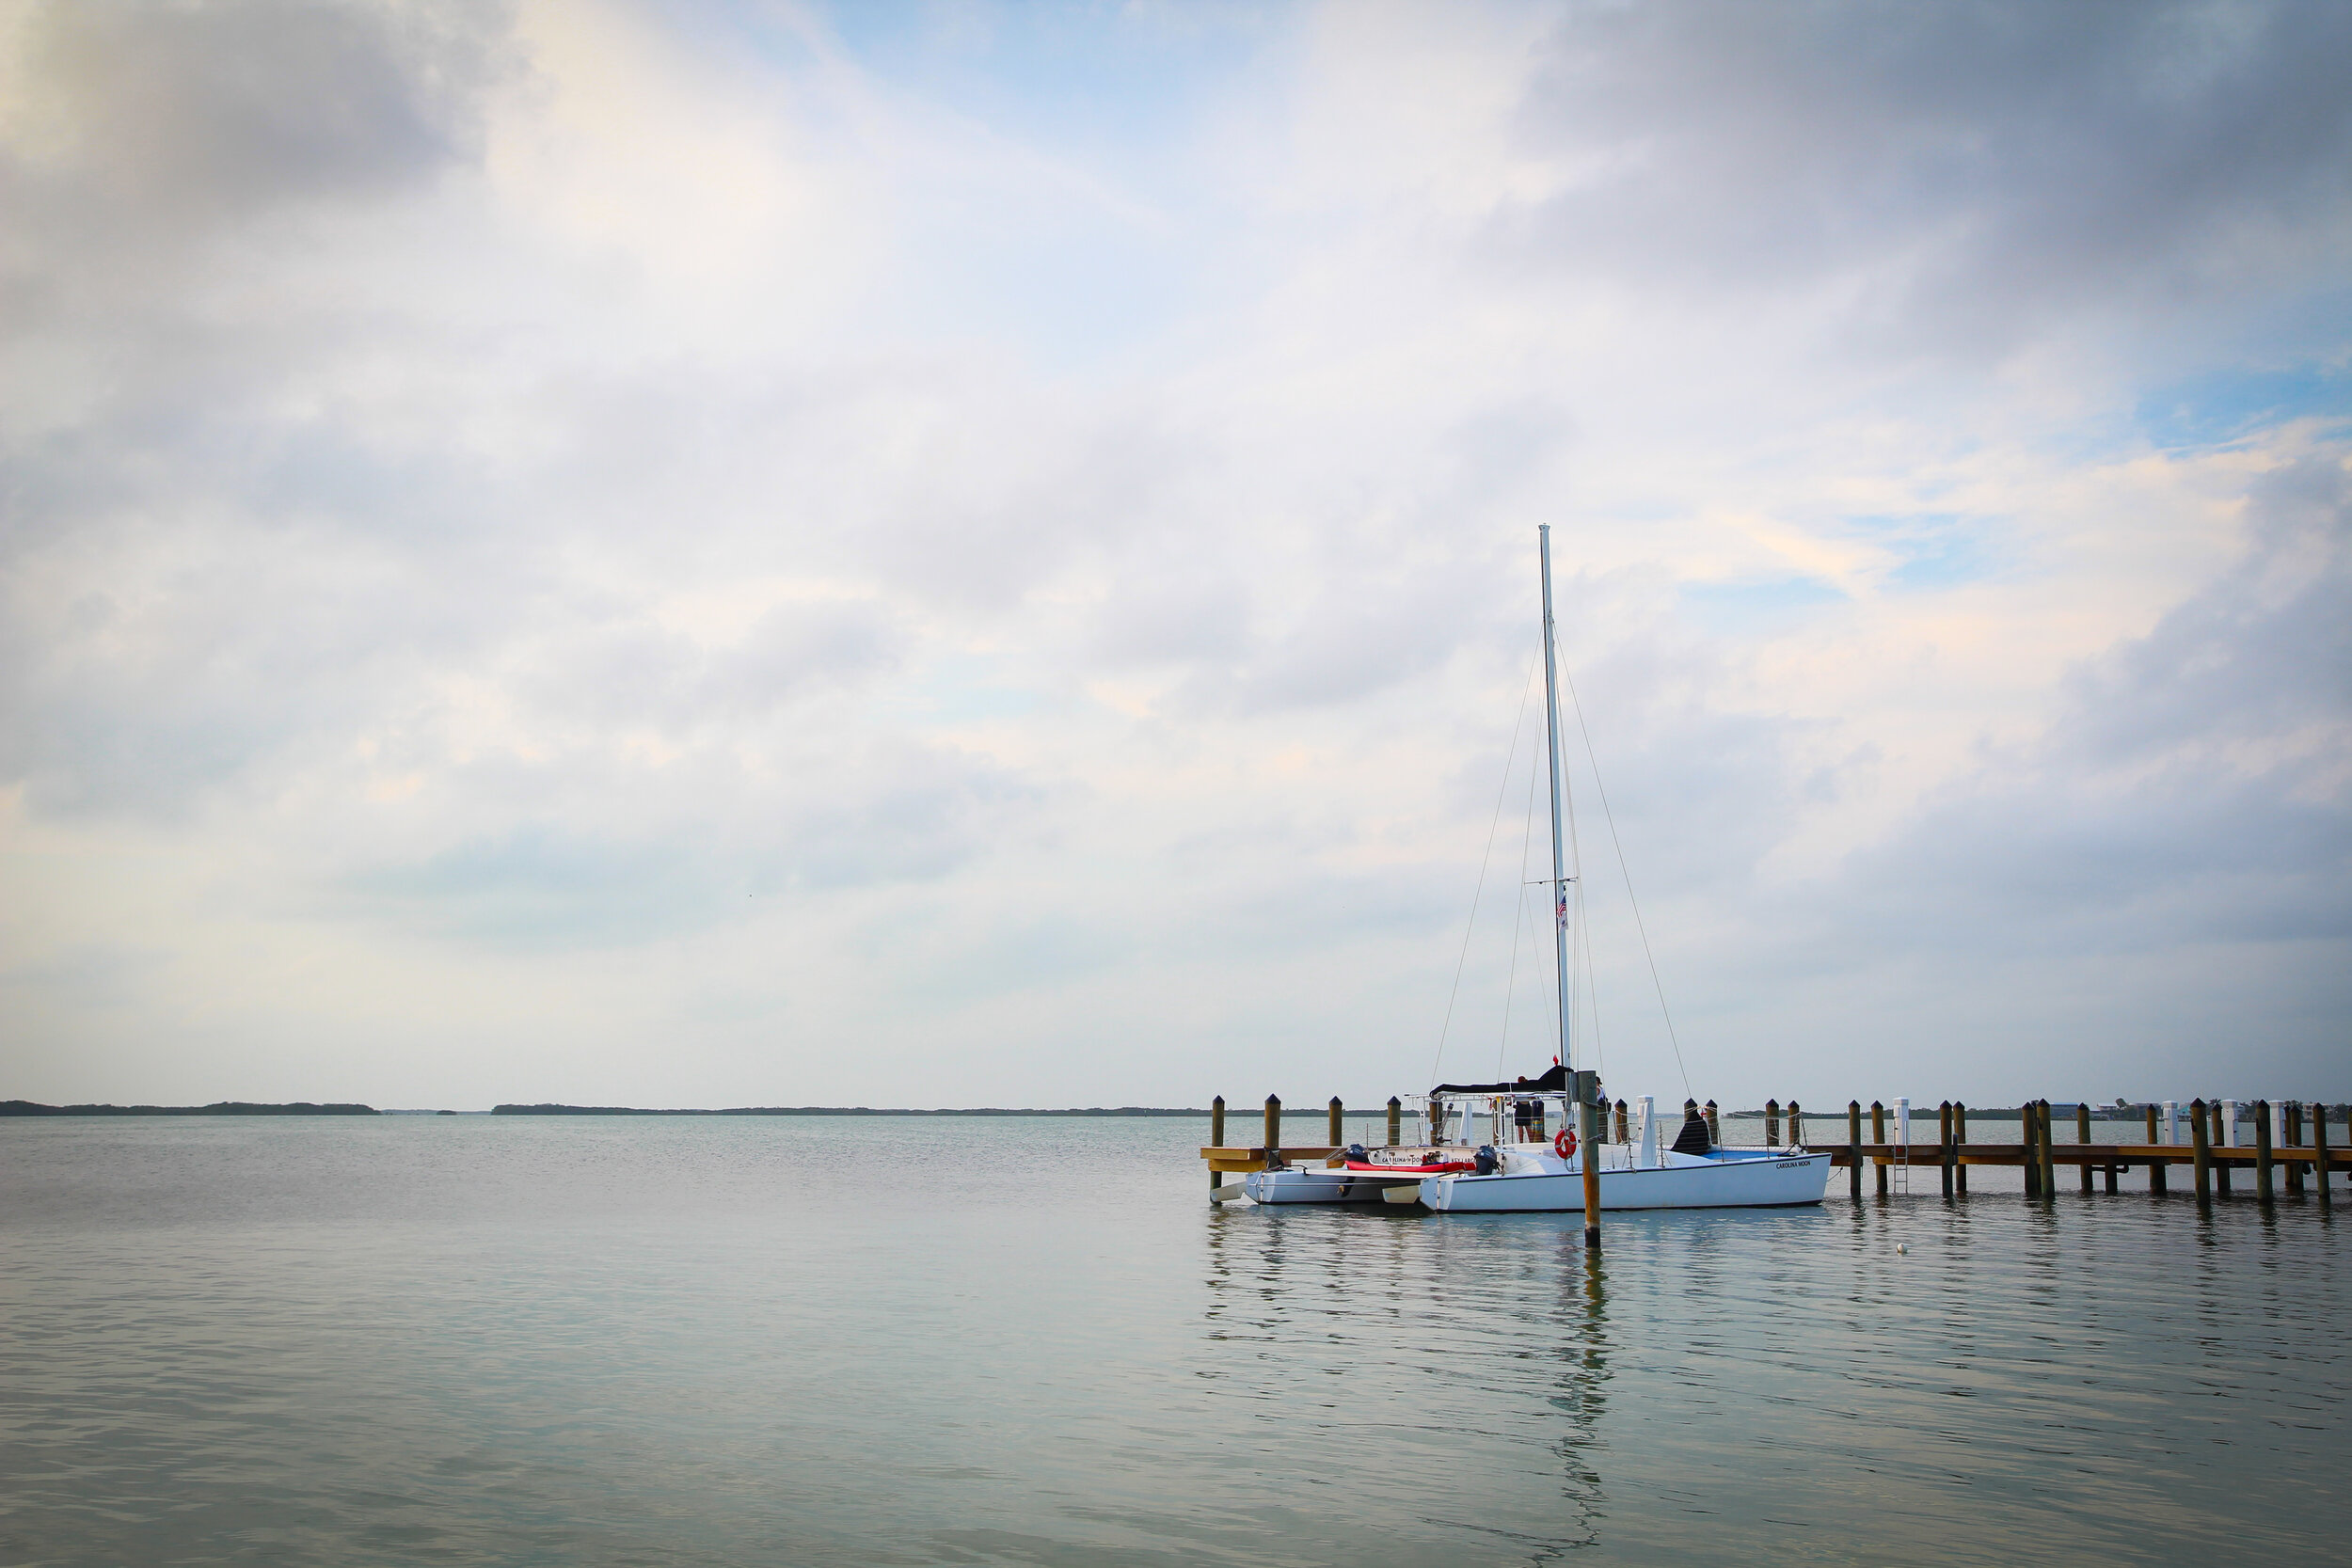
(1592, 757)
(1527, 846)
(1503, 792)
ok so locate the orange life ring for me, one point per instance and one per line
(1564, 1144)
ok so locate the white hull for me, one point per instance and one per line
(1314, 1184)
(1735, 1178)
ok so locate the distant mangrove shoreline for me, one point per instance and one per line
(841, 1111)
(218, 1108)
(305, 1108)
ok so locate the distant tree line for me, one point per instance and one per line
(217, 1108)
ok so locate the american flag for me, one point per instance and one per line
(1562, 910)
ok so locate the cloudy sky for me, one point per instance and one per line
(955, 554)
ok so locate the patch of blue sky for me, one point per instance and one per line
(1746, 608)
(2219, 408)
(1932, 551)
(1080, 74)
(1087, 272)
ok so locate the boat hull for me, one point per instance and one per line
(1739, 1181)
(1313, 1185)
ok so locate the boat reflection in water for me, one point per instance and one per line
(1467, 1366)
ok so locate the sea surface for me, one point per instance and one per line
(882, 1340)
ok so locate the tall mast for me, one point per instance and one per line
(1551, 740)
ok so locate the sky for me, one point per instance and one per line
(957, 554)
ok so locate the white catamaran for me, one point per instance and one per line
(1526, 1166)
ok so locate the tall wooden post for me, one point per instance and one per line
(2262, 1184)
(1796, 1124)
(2048, 1151)
(1625, 1133)
(2201, 1154)
(1878, 1135)
(1714, 1127)
(2082, 1135)
(1960, 1137)
(1217, 1137)
(1396, 1121)
(1853, 1148)
(2028, 1124)
(1772, 1124)
(1337, 1132)
(1588, 1099)
(1947, 1151)
(2319, 1151)
(2294, 1140)
(2155, 1167)
(1274, 1131)
(2219, 1138)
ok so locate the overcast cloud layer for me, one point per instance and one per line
(957, 555)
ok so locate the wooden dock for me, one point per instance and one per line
(2207, 1162)
(1928, 1155)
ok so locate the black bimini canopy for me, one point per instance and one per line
(1555, 1081)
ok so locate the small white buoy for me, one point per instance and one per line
(1903, 1247)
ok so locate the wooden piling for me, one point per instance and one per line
(1216, 1136)
(1796, 1124)
(1714, 1127)
(1772, 1124)
(1396, 1121)
(2155, 1167)
(2319, 1150)
(1853, 1148)
(1274, 1131)
(1959, 1135)
(1588, 1100)
(2219, 1138)
(1878, 1135)
(2041, 1144)
(2264, 1185)
(1624, 1135)
(2201, 1135)
(2294, 1140)
(1947, 1152)
(2082, 1133)
(1337, 1132)
(2028, 1130)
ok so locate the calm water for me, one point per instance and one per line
(791, 1340)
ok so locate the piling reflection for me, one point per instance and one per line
(1449, 1354)
(1582, 1382)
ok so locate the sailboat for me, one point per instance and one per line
(1529, 1174)
(1527, 1166)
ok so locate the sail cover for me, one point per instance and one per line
(1555, 1081)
